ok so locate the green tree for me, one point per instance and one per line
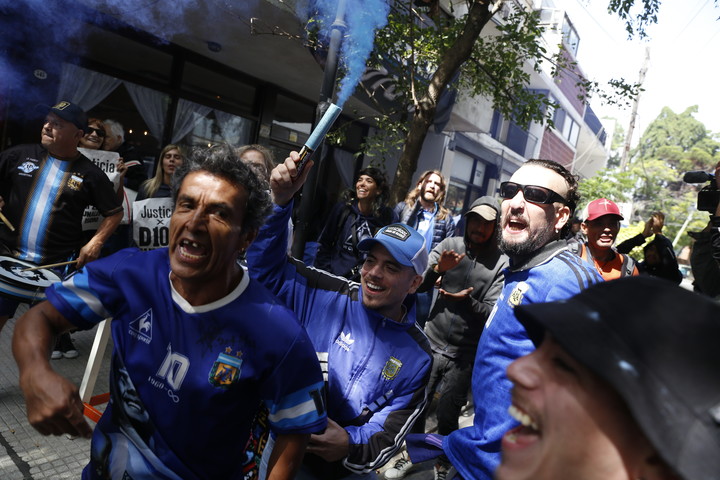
(616, 144)
(670, 146)
(608, 183)
(427, 51)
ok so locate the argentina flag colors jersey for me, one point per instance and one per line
(45, 199)
(187, 381)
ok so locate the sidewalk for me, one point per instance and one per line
(24, 453)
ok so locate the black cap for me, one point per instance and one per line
(658, 346)
(69, 112)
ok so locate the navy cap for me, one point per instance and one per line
(69, 112)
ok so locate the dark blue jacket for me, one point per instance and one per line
(337, 250)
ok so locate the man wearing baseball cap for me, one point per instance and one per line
(377, 360)
(44, 190)
(469, 271)
(605, 396)
(601, 228)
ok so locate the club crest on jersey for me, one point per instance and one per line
(391, 368)
(141, 327)
(226, 369)
(74, 182)
(28, 167)
(518, 293)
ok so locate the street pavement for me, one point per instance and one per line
(27, 455)
(24, 453)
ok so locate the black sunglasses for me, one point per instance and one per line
(532, 193)
(98, 131)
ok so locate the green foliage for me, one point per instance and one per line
(413, 47)
(608, 183)
(670, 146)
(636, 17)
(498, 70)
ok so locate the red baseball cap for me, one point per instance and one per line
(601, 207)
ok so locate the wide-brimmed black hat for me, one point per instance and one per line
(658, 346)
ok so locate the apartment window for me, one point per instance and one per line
(293, 120)
(570, 36)
(206, 83)
(566, 126)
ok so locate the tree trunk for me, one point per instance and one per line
(479, 14)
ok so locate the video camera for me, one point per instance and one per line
(709, 195)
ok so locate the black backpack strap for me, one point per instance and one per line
(628, 265)
(344, 214)
(575, 247)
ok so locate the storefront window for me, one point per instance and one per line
(293, 120)
(466, 183)
(217, 127)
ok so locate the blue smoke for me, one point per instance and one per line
(34, 41)
(362, 18)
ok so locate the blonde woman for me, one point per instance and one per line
(171, 157)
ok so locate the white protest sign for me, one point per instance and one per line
(107, 162)
(151, 222)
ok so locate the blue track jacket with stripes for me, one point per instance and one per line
(552, 273)
(377, 368)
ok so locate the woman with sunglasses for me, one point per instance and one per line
(94, 139)
(94, 135)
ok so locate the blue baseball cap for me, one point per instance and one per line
(404, 243)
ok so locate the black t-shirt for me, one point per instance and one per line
(45, 199)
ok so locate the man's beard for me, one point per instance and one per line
(526, 247)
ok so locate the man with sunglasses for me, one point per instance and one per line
(44, 190)
(537, 206)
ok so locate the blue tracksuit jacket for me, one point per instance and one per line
(377, 369)
(553, 273)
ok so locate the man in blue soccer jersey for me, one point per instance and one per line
(198, 344)
(538, 203)
(376, 358)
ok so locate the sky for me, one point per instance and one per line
(684, 69)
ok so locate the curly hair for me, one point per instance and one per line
(572, 197)
(414, 194)
(221, 161)
(380, 201)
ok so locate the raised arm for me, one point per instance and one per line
(284, 179)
